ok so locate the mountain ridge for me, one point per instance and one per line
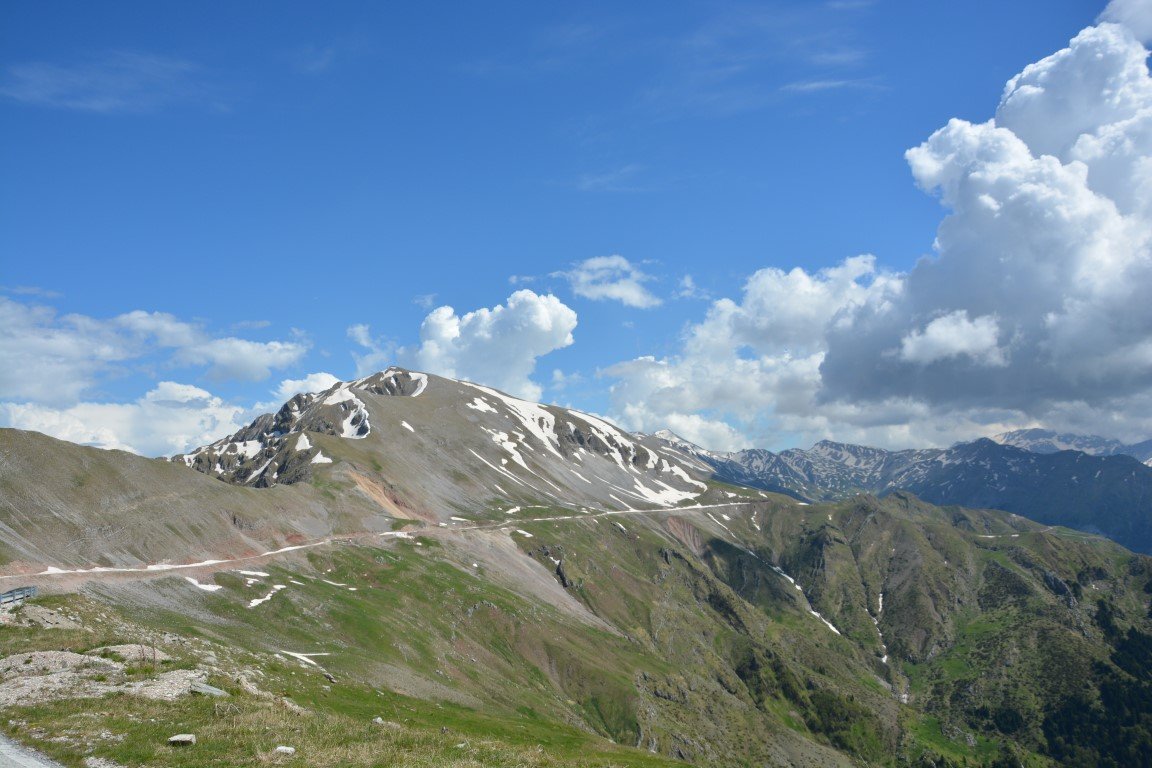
(1047, 441)
(1110, 495)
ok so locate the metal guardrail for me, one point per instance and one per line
(16, 595)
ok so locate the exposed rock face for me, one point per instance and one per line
(41, 676)
(396, 382)
(275, 449)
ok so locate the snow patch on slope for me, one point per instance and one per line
(539, 422)
(257, 601)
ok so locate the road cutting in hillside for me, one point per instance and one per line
(161, 569)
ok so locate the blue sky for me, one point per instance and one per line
(280, 194)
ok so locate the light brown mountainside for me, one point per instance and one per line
(439, 448)
(67, 505)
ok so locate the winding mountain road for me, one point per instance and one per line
(157, 569)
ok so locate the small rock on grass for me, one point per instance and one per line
(285, 750)
(207, 690)
(182, 739)
(386, 723)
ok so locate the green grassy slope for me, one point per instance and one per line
(565, 638)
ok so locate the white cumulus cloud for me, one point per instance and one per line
(171, 418)
(497, 346)
(233, 358)
(55, 359)
(953, 335)
(751, 364)
(54, 363)
(313, 382)
(1032, 309)
(1047, 232)
(1134, 14)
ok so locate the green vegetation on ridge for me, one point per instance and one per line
(670, 632)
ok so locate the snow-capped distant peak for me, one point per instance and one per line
(1047, 441)
(673, 439)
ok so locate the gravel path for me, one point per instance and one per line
(12, 755)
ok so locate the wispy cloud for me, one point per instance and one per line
(378, 352)
(818, 86)
(611, 278)
(727, 60)
(547, 50)
(315, 59)
(838, 57)
(622, 179)
(118, 81)
(687, 289)
(561, 381)
(745, 59)
(850, 5)
(29, 290)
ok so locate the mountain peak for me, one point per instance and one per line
(392, 434)
(1039, 440)
(687, 447)
(393, 381)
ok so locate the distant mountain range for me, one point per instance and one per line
(1047, 441)
(1109, 493)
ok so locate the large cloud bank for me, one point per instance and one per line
(169, 419)
(1033, 308)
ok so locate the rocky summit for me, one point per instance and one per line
(415, 426)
